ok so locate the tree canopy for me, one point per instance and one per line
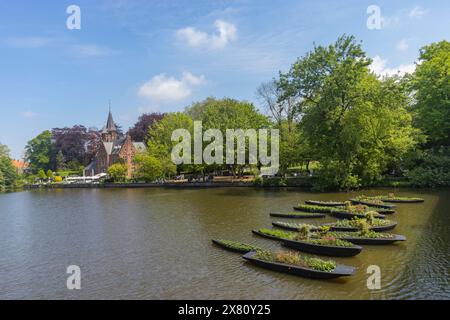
(431, 82)
(355, 124)
(140, 129)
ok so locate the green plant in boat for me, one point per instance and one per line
(237, 245)
(294, 258)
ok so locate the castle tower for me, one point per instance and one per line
(109, 132)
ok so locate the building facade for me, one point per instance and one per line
(114, 149)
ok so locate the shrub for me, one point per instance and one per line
(148, 168)
(118, 172)
(432, 169)
(41, 174)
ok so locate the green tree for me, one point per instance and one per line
(4, 151)
(160, 139)
(41, 174)
(2, 182)
(196, 110)
(118, 172)
(149, 168)
(8, 174)
(431, 84)
(232, 114)
(357, 126)
(60, 161)
(50, 174)
(38, 152)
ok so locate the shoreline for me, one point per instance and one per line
(205, 185)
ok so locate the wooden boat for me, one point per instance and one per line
(231, 248)
(388, 227)
(384, 211)
(339, 271)
(325, 203)
(332, 251)
(351, 215)
(412, 200)
(372, 204)
(268, 236)
(315, 210)
(298, 215)
(333, 227)
(291, 227)
(374, 241)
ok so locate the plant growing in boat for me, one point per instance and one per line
(353, 223)
(295, 259)
(237, 245)
(304, 232)
(369, 235)
(278, 233)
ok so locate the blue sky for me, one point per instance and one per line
(160, 56)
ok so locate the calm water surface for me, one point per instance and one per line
(155, 244)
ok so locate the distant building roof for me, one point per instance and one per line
(110, 125)
(19, 164)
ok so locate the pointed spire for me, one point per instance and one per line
(110, 125)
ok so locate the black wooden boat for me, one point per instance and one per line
(333, 227)
(325, 203)
(332, 251)
(298, 215)
(285, 226)
(372, 204)
(388, 227)
(231, 248)
(352, 215)
(402, 200)
(384, 211)
(268, 236)
(374, 241)
(339, 271)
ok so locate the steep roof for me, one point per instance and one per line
(110, 125)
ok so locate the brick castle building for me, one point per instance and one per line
(114, 148)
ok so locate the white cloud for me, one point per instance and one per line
(402, 45)
(417, 12)
(27, 42)
(226, 33)
(29, 114)
(378, 66)
(192, 37)
(91, 50)
(162, 88)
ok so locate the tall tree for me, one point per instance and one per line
(160, 143)
(357, 125)
(78, 144)
(431, 82)
(233, 114)
(8, 175)
(280, 106)
(140, 129)
(38, 152)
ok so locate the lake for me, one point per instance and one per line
(156, 244)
